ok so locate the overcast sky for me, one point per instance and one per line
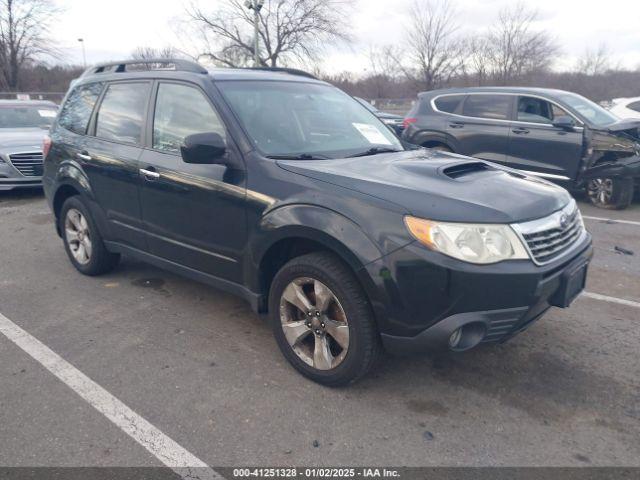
(113, 28)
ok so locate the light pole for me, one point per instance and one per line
(256, 6)
(84, 53)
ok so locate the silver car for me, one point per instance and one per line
(23, 126)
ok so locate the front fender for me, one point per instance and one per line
(322, 225)
(318, 224)
(628, 167)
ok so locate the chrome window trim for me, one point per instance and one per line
(579, 126)
(547, 223)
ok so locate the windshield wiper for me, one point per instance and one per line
(374, 151)
(299, 156)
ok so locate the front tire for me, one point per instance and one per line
(82, 240)
(322, 320)
(610, 193)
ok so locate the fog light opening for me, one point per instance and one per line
(454, 339)
(467, 336)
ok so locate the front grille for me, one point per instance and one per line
(28, 164)
(549, 238)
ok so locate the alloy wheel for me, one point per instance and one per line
(76, 230)
(600, 190)
(314, 323)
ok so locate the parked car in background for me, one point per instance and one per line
(553, 134)
(347, 239)
(396, 122)
(625, 107)
(23, 126)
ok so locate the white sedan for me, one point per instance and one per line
(625, 107)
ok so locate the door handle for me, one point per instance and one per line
(150, 174)
(84, 156)
(520, 130)
(456, 125)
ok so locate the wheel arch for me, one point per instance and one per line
(70, 181)
(429, 138)
(297, 230)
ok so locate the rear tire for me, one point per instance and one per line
(610, 193)
(331, 335)
(82, 240)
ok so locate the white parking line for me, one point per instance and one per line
(605, 298)
(612, 220)
(170, 453)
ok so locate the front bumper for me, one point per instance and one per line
(426, 296)
(14, 183)
(10, 178)
(622, 168)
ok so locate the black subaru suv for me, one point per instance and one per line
(553, 134)
(286, 191)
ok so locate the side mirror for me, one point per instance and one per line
(204, 148)
(565, 122)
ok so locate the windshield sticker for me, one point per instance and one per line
(372, 134)
(47, 113)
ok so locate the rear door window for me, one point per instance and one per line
(448, 103)
(122, 111)
(492, 107)
(76, 112)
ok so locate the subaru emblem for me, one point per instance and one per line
(564, 221)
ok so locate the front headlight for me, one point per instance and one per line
(474, 243)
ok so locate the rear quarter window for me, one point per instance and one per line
(448, 103)
(76, 111)
(491, 107)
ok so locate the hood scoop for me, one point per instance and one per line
(464, 169)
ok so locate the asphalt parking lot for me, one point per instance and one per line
(205, 372)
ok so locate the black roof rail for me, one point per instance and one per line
(178, 64)
(292, 71)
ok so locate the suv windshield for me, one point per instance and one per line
(305, 120)
(591, 111)
(22, 116)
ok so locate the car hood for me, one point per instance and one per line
(441, 186)
(626, 124)
(30, 138)
(389, 116)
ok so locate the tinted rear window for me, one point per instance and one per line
(449, 103)
(121, 113)
(635, 106)
(77, 110)
(494, 107)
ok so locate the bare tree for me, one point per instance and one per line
(23, 36)
(595, 61)
(517, 48)
(289, 30)
(144, 54)
(150, 53)
(382, 70)
(434, 51)
(478, 59)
